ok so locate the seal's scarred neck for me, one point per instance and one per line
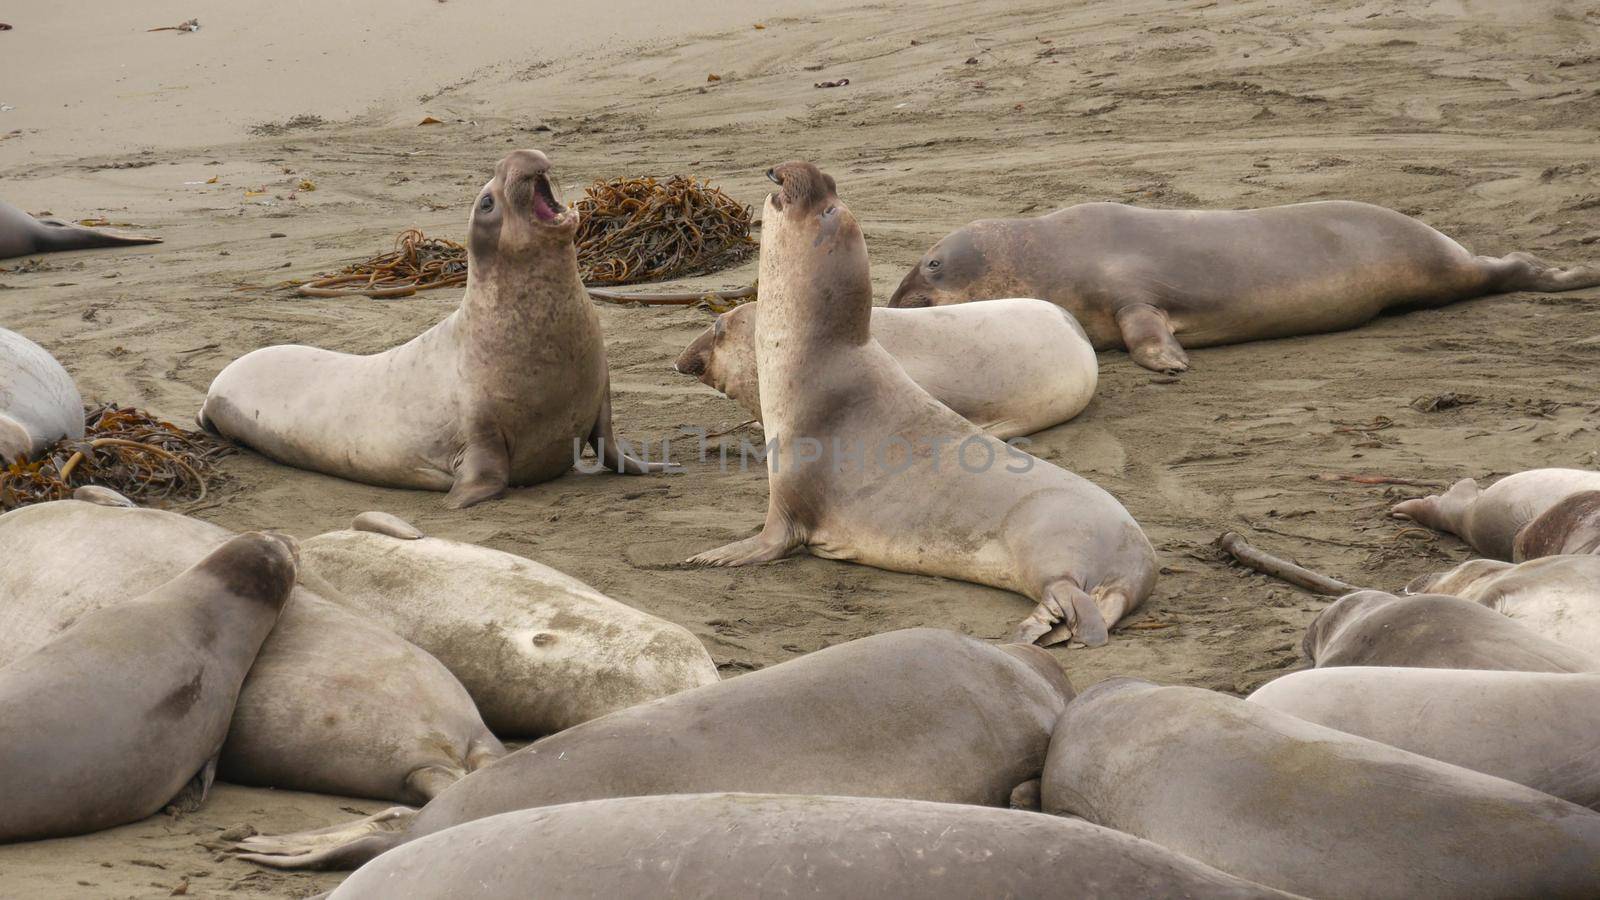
(818, 294)
(524, 300)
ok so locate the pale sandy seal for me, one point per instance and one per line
(919, 714)
(1155, 281)
(1011, 367)
(1283, 802)
(1489, 519)
(1555, 596)
(1538, 729)
(22, 234)
(770, 846)
(897, 479)
(1568, 528)
(39, 403)
(335, 703)
(501, 393)
(109, 721)
(539, 651)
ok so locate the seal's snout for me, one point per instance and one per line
(909, 294)
(693, 359)
(525, 175)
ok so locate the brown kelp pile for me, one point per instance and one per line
(416, 263)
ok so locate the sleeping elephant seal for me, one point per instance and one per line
(769, 846)
(1535, 728)
(1571, 527)
(1490, 519)
(1557, 597)
(335, 704)
(1265, 796)
(39, 404)
(538, 651)
(501, 393)
(22, 234)
(1011, 367)
(918, 714)
(1155, 281)
(864, 465)
(107, 723)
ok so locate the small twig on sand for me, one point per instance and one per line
(1375, 479)
(1299, 576)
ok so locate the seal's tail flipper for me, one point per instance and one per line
(192, 795)
(1526, 272)
(65, 236)
(344, 846)
(1065, 612)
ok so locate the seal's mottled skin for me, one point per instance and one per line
(1557, 597)
(22, 234)
(1489, 519)
(39, 403)
(1571, 527)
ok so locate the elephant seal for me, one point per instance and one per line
(22, 234)
(335, 704)
(1154, 281)
(39, 404)
(1489, 520)
(107, 723)
(898, 480)
(918, 714)
(767, 845)
(1011, 367)
(538, 651)
(501, 393)
(1557, 597)
(1432, 631)
(1265, 796)
(1535, 728)
(1570, 528)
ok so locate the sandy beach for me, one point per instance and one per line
(1478, 117)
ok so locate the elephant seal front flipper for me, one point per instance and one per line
(1147, 333)
(39, 403)
(22, 234)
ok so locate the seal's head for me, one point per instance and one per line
(813, 257)
(519, 213)
(724, 355)
(957, 269)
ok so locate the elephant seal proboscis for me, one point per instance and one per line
(918, 714)
(335, 704)
(1432, 631)
(898, 480)
(39, 403)
(1535, 728)
(1011, 367)
(109, 721)
(1569, 528)
(1557, 597)
(1154, 281)
(1268, 797)
(1490, 519)
(22, 234)
(539, 651)
(499, 394)
(774, 845)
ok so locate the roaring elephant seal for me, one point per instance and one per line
(39, 403)
(1154, 281)
(864, 465)
(335, 704)
(1011, 367)
(771, 846)
(1554, 596)
(108, 722)
(1432, 631)
(1490, 519)
(1268, 797)
(22, 234)
(1571, 527)
(1538, 729)
(539, 651)
(918, 714)
(503, 392)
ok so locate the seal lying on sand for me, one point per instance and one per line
(335, 703)
(765, 845)
(1154, 281)
(22, 234)
(897, 480)
(1011, 367)
(39, 404)
(918, 714)
(1265, 796)
(1554, 596)
(500, 393)
(107, 723)
(538, 651)
(1535, 728)
(1490, 519)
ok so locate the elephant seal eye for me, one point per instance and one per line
(830, 210)
(934, 264)
(486, 204)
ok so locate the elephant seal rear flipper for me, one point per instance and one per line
(22, 234)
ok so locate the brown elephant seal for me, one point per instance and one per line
(1154, 281)
(1557, 597)
(335, 703)
(39, 403)
(1286, 803)
(918, 714)
(773, 845)
(1011, 367)
(1570, 528)
(1538, 729)
(1489, 519)
(501, 393)
(539, 651)
(1432, 631)
(898, 480)
(108, 722)
(22, 234)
